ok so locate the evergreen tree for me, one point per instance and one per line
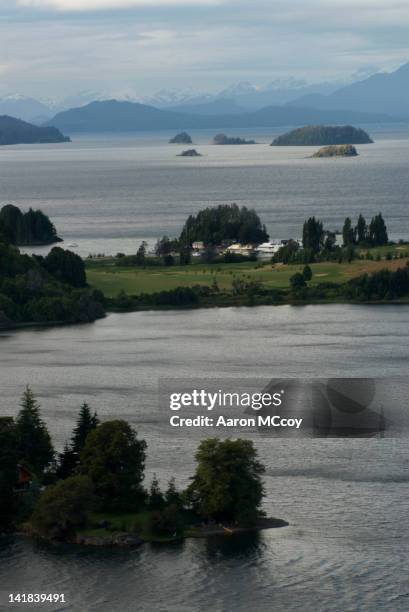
(348, 233)
(141, 253)
(307, 273)
(86, 422)
(8, 472)
(66, 463)
(361, 230)
(378, 234)
(313, 235)
(34, 443)
(156, 499)
(172, 496)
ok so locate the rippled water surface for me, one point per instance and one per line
(106, 193)
(346, 500)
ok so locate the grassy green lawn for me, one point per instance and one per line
(111, 279)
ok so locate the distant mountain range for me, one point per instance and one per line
(116, 116)
(382, 93)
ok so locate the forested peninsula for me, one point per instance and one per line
(32, 228)
(15, 131)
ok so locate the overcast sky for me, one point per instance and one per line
(54, 48)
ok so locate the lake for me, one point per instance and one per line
(346, 499)
(106, 193)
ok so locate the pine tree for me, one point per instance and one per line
(86, 422)
(34, 442)
(378, 234)
(172, 496)
(348, 233)
(156, 500)
(67, 462)
(361, 230)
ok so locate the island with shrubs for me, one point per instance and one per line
(323, 135)
(337, 151)
(15, 131)
(190, 153)
(181, 138)
(92, 492)
(222, 139)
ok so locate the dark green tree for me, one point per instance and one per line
(34, 445)
(185, 255)
(361, 230)
(67, 266)
(8, 472)
(156, 498)
(227, 482)
(172, 495)
(114, 459)
(63, 508)
(307, 273)
(86, 422)
(140, 258)
(378, 235)
(297, 281)
(215, 224)
(348, 233)
(313, 235)
(66, 463)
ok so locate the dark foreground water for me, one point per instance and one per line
(346, 548)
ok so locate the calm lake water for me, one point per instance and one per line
(106, 193)
(346, 500)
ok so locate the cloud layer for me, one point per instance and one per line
(97, 5)
(49, 48)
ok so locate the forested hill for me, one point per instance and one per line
(15, 131)
(26, 229)
(322, 135)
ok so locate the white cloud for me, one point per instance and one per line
(92, 5)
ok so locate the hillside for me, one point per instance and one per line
(116, 116)
(322, 135)
(15, 131)
(381, 93)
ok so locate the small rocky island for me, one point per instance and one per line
(181, 138)
(337, 151)
(323, 135)
(190, 153)
(222, 139)
(15, 131)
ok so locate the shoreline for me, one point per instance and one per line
(154, 308)
(131, 540)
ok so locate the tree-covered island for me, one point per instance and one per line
(181, 138)
(222, 139)
(322, 135)
(93, 491)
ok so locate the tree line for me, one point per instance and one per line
(45, 289)
(102, 467)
